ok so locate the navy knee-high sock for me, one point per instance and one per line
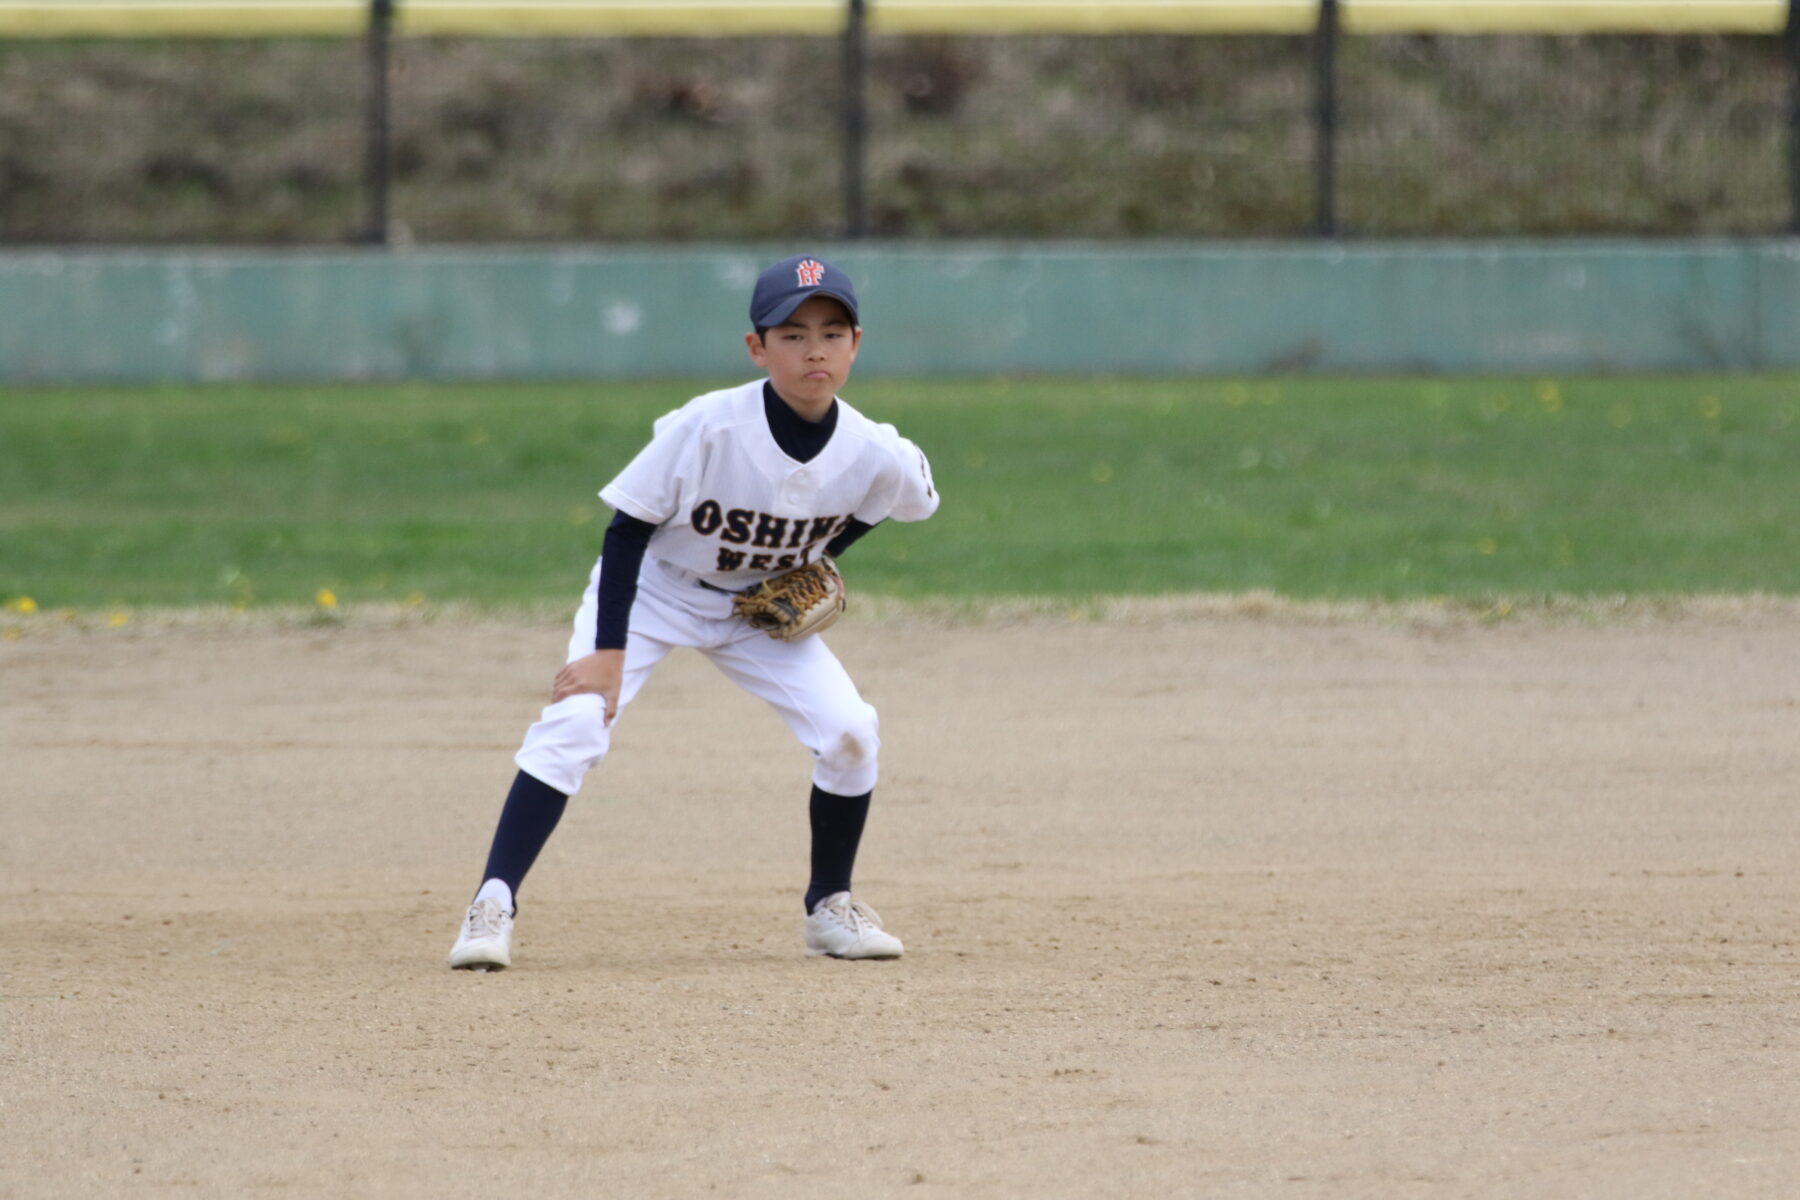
(532, 810)
(837, 827)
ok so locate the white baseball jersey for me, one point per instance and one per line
(733, 509)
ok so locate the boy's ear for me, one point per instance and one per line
(754, 343)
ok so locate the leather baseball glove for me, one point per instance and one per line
(789, 607)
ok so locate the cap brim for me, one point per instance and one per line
(785, 309)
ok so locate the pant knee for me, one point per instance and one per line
(848, 752)
(566, 743)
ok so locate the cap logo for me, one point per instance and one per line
(810, 272)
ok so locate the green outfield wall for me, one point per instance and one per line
(1138, 308)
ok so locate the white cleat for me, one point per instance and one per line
(847, 928)
(485, 943)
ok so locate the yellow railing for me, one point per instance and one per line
(622, 18)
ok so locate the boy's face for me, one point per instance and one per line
(808, 356)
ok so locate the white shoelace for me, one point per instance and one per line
(486, 919)
(855, 916)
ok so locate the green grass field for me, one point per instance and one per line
(1313, 488)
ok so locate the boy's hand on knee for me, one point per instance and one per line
(598, 673)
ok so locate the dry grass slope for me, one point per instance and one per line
(1017, 137)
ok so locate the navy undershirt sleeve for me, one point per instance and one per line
(855, 529)
(621, 555)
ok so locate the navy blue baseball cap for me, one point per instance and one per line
(792, 282)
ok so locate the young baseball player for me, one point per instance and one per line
(735, 487)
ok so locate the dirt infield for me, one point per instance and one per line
(1202, 905)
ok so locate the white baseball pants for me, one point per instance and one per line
(803, 681)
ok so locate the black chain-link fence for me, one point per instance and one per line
(196, 140)
(679, 139)
(1591, 135)
(258, 141)
(1126, 136)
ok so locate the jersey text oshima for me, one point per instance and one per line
(743, 526)
(733, 509)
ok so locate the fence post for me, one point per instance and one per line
(377, 122)
(1325, 40)
(856, 68)
(1792, 37)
